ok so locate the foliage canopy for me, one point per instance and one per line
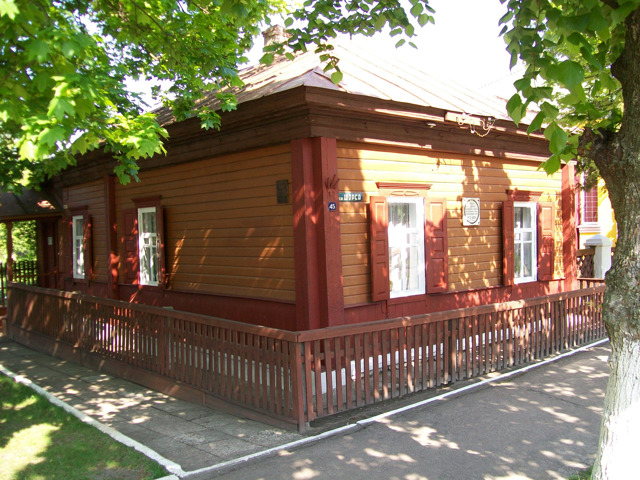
(568, 47)
(65, 64)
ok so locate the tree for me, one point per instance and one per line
(582, 62)
(24, 241)
(65, 63)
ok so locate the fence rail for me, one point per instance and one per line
(297, 377)
(24, 271)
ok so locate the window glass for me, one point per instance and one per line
(406, 246)
(525, 242)
(148, 246)
(78, 246)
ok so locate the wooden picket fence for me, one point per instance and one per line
(24, 271)
(297, 377)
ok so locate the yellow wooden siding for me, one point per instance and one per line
(475, 253)
(225, 232)
(91, 195)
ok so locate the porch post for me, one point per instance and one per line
(9, 251)
(602, 257)
(569, 241)
(316, 225)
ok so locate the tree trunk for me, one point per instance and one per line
(617, 155)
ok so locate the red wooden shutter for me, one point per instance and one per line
(130, 245)
(437, 245)
(162, 277)
(87, 245)
(67, 247)
(379, 216)
(546, 245)
(507, 242)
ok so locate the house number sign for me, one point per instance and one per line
(470, 211)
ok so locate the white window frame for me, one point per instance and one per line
(147, 243)
(398, 249)
(77, 234)
(519, 243)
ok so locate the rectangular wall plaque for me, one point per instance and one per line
(282, 191)
(350, 196)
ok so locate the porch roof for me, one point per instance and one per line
(27, 205)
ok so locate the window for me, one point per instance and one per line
(148, 246)
(142, 243)
(406, 246)
(589, 206)
(524, 234)
(77, 235)
(77, 254)
(528, 232)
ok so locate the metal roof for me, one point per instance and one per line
(364, 73)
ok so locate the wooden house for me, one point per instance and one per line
(390, 194)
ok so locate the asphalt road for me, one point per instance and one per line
(542, 424)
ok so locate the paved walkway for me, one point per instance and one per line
(190, 435)
(540, 424)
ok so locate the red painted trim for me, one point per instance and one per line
(404, 186)
(437, 245)
(268, 313)
(112, 236)
(507, 243)
(449, 301)
(330, 253)
(317, 248)
(150, 201)
(379, 242)
(248, 310)
(523, 195)
(569, 244)
(546, 240)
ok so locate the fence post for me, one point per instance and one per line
(602, 257)
(297, 382)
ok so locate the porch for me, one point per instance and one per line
(293, 378)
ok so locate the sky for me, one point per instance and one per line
(463, 45)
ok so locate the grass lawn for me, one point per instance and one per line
(39, 441)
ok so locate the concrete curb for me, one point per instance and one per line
(129, 442)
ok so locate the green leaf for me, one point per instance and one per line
(37, 50)
(570, 74)
(424, 19)
(552, 165)
(416, 10)
(537, 122)
(336, 77)
(51, 136)
(28, 150)
(8, 8)
(267, 59)
(515, 108)
(557, 137)
(59, 107)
